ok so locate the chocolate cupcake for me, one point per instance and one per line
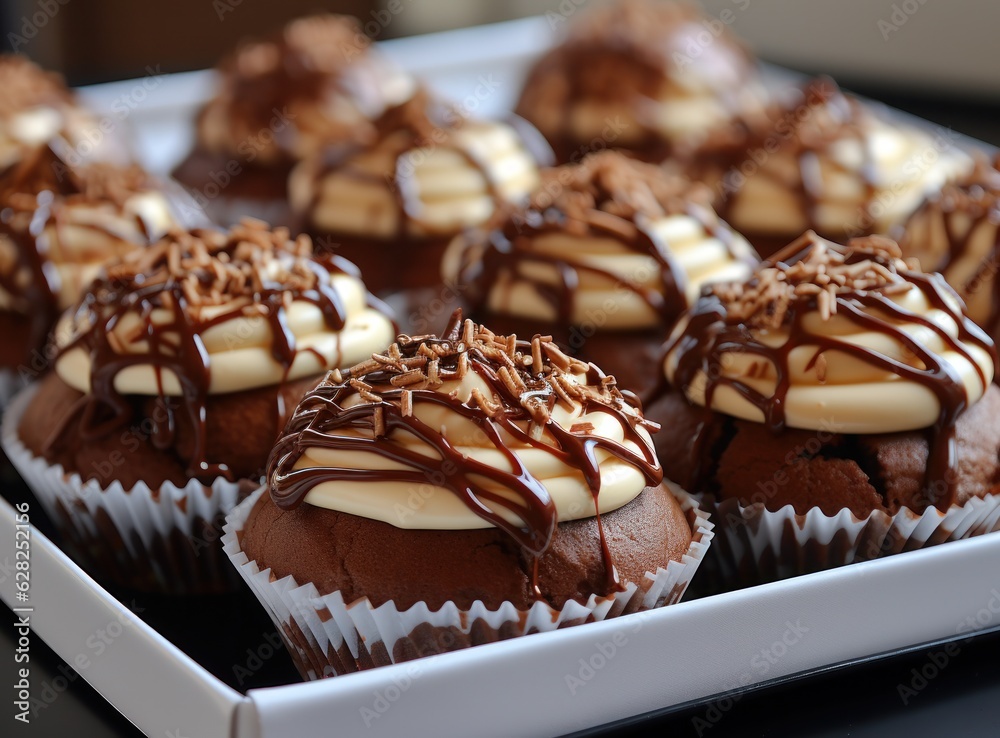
(172, 380)
(393, 205)
(836, 407)
(36, 106)
(460, 490)
(956, 232)
(58, 225)
(280, 100)
(604, 257)
(639, 75)
(823, 161)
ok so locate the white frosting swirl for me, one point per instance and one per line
(448, 185)
(610, 273)
(81, 236)
(833, 166)
(832, 390)
(239, 349)
(432, 506)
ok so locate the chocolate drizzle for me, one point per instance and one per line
(857, 282)
(422, 121)
(36, 199)
(807, 132)
(962, 211)
(526, 381)
(628, 55)
(185, 284)
(607, 195)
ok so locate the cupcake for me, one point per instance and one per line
(280, 100)
(58, 225)
(460, 490)
(639, 75)
(36, 106)
(604, 257)
(393, 205)
(836, 407)
(821, 161)
(956, 232)
(173, 377)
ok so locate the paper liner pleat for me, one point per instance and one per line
(328, 636)
(159, 540)
(754, 545)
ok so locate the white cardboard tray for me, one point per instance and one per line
(546, 684)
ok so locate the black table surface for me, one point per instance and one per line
(861, 701)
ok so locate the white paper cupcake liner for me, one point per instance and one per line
(754, 545)
(327, 636)
(160, 540)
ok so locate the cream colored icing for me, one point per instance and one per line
(450, 183)
(700, 256)
(844, 394)
(430, 506)
(239, 349)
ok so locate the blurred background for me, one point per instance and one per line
(912, 53)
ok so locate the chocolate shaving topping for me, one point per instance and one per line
(25, 85)
(860, 283)
(607, 195)
(250, 271)
(35, 195)
(525, 380)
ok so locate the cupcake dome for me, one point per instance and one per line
(280, 100)
(392, 205)
(822, 161)
(533, 473)
(858, 381)
(58, 225)
(957, 232)
(609, 246)
(635, 75)
(197, 334)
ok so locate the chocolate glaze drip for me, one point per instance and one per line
(421, 121)
(626, 54)
(720, 324)
(526, 381)
(964, 209)
(35, 195)
(250, 271)
(605, 196)
(824, 117)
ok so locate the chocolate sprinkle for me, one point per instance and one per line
(526, 380)
(856, 282)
